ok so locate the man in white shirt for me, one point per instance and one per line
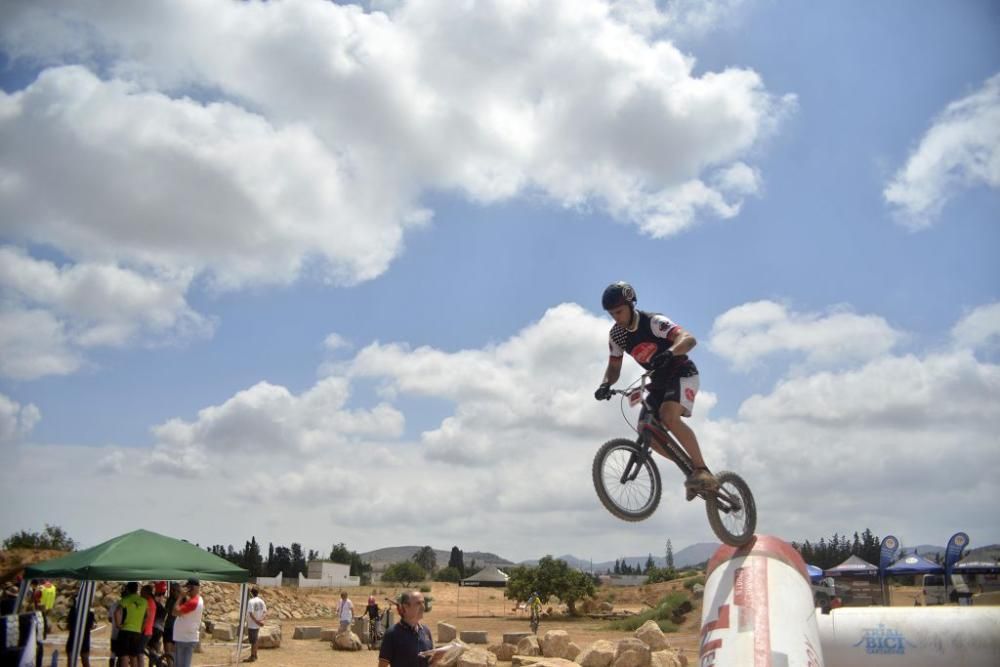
(345, 611)
(256, 611)
(188, 611)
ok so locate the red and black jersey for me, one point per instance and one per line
(654, 333)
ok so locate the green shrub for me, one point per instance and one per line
(425, 589)
(689, 584)
(662, 613)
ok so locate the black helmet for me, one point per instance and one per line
(616, 294)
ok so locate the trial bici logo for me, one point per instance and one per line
(884, 641)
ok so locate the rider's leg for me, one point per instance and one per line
(670, 416)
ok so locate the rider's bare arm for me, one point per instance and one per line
(614, 370)
(683, 343)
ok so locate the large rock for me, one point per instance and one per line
(529, 646)
(477, 657)
(665, 658)
(269, 637)
(514, 637)
(599, 654)
(347, 641)
(631, 652)
(360, 626)
(328, 634)
(649, 633)
(446, 633)
(223, 632)
(572, 651)
(474, 636)
(504, 652)
(526, 660)
(553, 662)
(554, 643)
(307, 632)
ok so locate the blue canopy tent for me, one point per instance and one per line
(913, 564)
(815, 573)
(973, 565)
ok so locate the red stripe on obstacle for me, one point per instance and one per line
(761, 545)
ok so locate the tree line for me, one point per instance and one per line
(289, 561)
(827, 553)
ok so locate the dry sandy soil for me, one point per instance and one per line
(466, 608)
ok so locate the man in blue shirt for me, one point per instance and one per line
(406, 640)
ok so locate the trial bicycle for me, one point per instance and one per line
(628, 483)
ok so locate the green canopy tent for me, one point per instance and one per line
(135, 556)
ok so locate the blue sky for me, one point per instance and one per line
(811, 190)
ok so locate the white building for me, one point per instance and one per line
(325, 574)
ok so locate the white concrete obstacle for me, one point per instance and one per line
(758, 608)
(911, 636)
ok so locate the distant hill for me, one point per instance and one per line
(686, 557)
(380, 558)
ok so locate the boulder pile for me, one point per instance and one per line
(649, 648)
(221, 601)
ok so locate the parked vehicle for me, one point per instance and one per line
(934, 589)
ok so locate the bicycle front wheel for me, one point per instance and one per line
(732, 512)
(628, 489)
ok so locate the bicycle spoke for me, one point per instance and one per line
(631, 495)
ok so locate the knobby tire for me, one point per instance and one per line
(649, 471)
(743, 522)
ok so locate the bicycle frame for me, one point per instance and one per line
(650, 430)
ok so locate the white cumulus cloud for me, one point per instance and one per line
(745, 334)
(16, 420)
(961, 150)
(49, 314)
(258, 141)
(981, 327)
(897, 443)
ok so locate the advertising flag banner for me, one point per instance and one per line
(887, 554)
(953, 552)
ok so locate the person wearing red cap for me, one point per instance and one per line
(188, 611)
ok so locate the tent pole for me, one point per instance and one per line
(84, 597)
(243, 620)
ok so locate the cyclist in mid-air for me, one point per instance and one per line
(661, 346)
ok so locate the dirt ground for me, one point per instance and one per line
(467, 609)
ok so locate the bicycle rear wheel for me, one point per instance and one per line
(732, 512)
(638, 496)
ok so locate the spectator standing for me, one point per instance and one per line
(168, 622)
(406, 640)
(115, 629)
(159, 591)
(47, 595)
(188, 611)
(147, 623)
(34, 596)
(131, 615)
(256, 611)
(372, 609)
(345, 611)
(85, 644)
